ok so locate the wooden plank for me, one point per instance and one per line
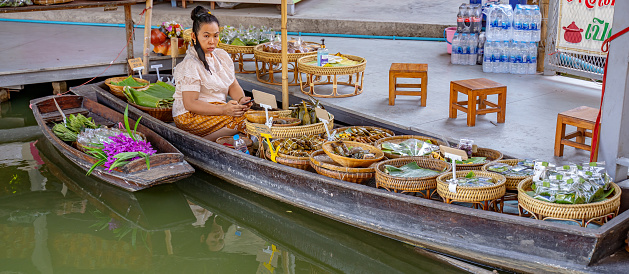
(575, 144)
(408, 85)
(56, 116)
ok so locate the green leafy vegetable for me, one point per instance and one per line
(129, 81)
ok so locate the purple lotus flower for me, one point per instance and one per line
(123, 143)
(113, 224)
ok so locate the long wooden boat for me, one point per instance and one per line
(501, 240)
(168, 165)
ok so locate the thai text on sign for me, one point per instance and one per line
(584, 25)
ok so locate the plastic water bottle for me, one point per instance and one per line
(513, 57)
(523, 50)
(456, 43)
(460, 19)
(504, 58)
(536, 24)
(526, 24)
(476, 18)
(493, 24)
(532, 69)
(481, 48)
(474, 52)
(518, 15)
(240, 145)
(487, 57)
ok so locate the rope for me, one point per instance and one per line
(112, 62)
(597, 125)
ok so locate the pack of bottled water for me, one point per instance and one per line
(510, 57)
(464, 48)
(469, 18)
(499, 22)
(527, 20)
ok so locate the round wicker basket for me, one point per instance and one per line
(472, 194)
(292, 161)
(163, 114)
(296, 131)
(325, 166)
(370, 140)
(401, 184)
(567, 211)
(233, 49)
(402, 138)
(304, 67)
(187, 36)
(50, 2)
(512, 181)
(492, 155)
(350, 162)
(117, 90)
(259, 116)
(272, 57)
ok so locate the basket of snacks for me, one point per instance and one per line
(116, 85)
(410, 174)
(479, 158)
(324, 165)
(363, 134)
(514, 170)
(295, 152)
(584, 193)
(471, 186)
(407, 146)
(348, 65)
(259, 116)
(352, 154)
(292, 131)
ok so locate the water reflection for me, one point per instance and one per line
(54, 219)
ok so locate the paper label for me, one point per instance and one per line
(262, 129)
(538, 169)
(453, 151)
(452, 187)
(264, 98)
(136, 63)
(322, 114)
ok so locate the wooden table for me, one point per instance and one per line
(85, 4)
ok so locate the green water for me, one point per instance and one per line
(54, 219)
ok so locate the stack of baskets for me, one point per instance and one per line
(117, 90)
(402, 138)
(292, 131)
(364, 139)
(325, 166)
(475, 195)
(511, 181)
(415, 184)
(490, 154)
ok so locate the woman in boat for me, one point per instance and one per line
(204, 79)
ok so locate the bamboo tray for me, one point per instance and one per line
(471, 194)
(117, 90)
(355, 76)
(50, 2)
(365, 127)
(325, 166)
(419, 184)
(402, 138)
(492, 155)
(350, 162)
(272, 57)
(234, 49)
(512, 181)
(296, 131)
(586, 213)
(163, 114)
(271, 64)
(341, 70)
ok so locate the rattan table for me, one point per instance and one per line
(237, 53)
(315, 73)
(269, 63)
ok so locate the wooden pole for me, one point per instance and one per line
(128, 23)
(147, 35)
(541, 50)
(284, 57)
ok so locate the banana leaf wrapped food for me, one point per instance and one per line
(410, 170)
(361, 134)
(129, 81)
(409, 147)
(471, 180)
(572, 184)
(158, 95)
(522, 168)
(299, 147)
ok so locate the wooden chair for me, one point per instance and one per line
(583, 118)
(477, 91)
(404, 70)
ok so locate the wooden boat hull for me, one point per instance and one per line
(500, 240)
(166, 166)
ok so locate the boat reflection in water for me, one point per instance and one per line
(198, 225)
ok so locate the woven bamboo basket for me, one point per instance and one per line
(350, 162)
(292, 161)
(163, 114)
(272, 57)
(50, 2)
(325, 166)
(472, 194)
(319, 70)
(117, 90)
(401, 184)
(402, 138)
(492, 155)
(567, 211)
(371, 141)
(187, 36)
(233, 49)
(512, 181)
(259, 116)
(296, 131)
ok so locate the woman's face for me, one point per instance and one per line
(208, 37)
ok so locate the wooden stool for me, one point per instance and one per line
(477, 91)
(584, 119)
(403, 70)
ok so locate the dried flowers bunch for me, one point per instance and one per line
(122, 149)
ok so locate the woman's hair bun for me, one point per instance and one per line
(197, 12)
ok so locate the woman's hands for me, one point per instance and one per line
(233, 108)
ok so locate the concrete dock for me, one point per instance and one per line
(533, 101)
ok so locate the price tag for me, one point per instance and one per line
(136, 63)
(454, 152)
(157, 67)
(538, 170)
(452, 187)
(264, 98)
(174, 47)
(322, 114)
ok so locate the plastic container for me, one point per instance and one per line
(240, 145)
(449, 34)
